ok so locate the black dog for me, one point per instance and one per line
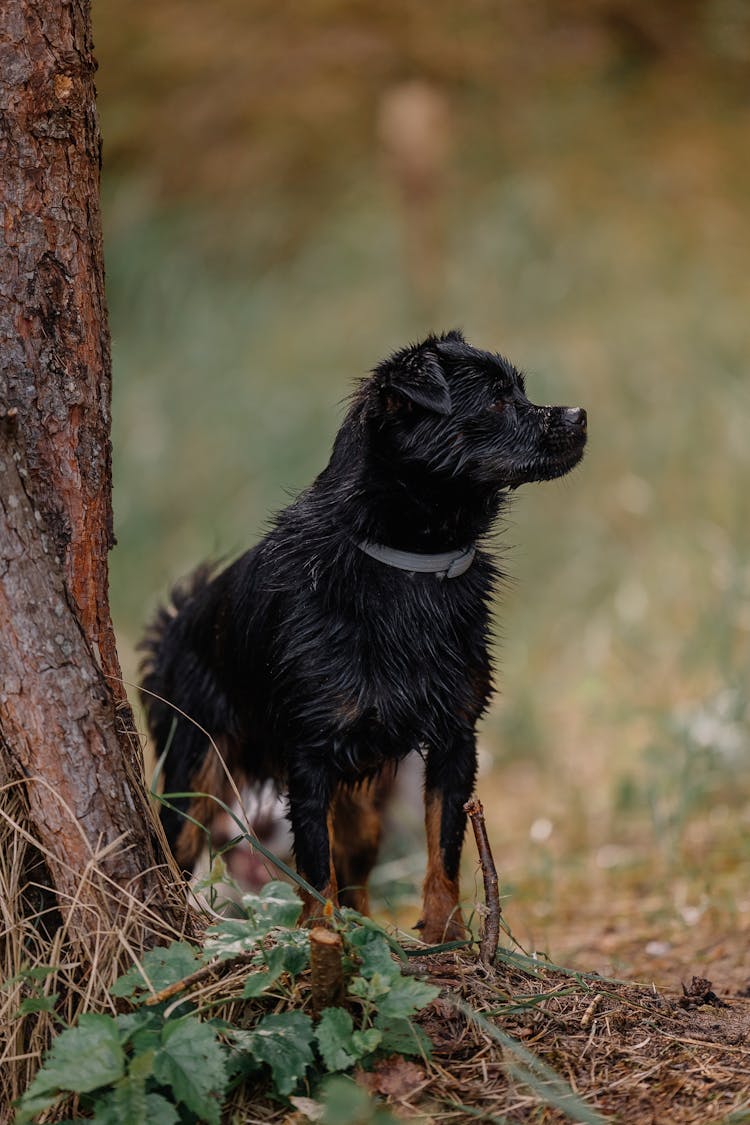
(357, 630)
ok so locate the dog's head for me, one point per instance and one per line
(460, 412)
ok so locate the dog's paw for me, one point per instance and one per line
(435, 931)
(316, 913)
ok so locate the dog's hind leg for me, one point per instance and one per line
(194, 766)
(357, 831)
(449, 780)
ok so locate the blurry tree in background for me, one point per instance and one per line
(65, 727)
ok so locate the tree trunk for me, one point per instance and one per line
(65, 725)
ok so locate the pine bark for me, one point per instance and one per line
(65, 725)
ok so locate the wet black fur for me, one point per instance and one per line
(316, 664)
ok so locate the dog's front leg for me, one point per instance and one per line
(309, 803)
(449, 781)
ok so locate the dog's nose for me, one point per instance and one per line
(576, 415)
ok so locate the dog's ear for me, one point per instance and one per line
(416, 374)
(426, 384)
(451, 343)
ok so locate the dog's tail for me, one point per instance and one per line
(169, 694)
(181, 593)
(164, 637)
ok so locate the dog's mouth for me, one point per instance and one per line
(560, 449)
(548, 466)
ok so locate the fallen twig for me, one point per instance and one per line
(200, 974)
(590, 1012)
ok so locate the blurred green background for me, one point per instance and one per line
(291, 190)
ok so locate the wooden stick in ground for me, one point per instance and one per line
(326, 969)
(491, 928)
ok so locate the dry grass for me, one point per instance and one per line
(48, 978)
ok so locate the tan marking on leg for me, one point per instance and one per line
(441, 917)
(209, 778)
(314, 913)
(357, 829)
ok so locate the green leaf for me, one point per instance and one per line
(39, 972)
(141, 1028)
(347, 1104)
(34, 974)
(367, 930)
(277, 904)
(82, 1058)
(159, 1111)
(231, 936)
(217, 874)
(142, 1066)
(402, 1037)
(365, 1042)
(291, 955)
(334, 1038)
(258, 982)
(296, 946)
(191, 1061)
(124, 1106)
(284, 1043)
(339, 1044)
(147, 1039)
(31, 1105)
(33, 1004)
(375, 955)
(161, 967)
(373, 990)
(406, 996)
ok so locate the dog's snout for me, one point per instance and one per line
(576, 416)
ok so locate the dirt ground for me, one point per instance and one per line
(629, 975)
(621, 1052)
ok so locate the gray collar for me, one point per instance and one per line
(451, 564)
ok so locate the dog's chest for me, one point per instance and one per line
(406, 655)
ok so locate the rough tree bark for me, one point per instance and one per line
(64, 721)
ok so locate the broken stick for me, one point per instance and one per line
(203, 973)
(491, 928)
(326, 969)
